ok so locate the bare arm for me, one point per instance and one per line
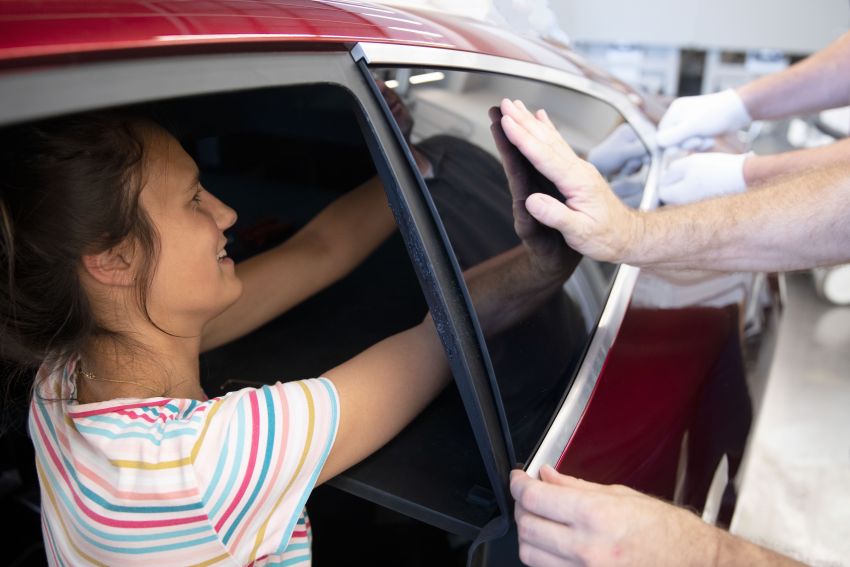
(382, 389)
(794, 223)
(562, 520)
(332, 244)
(816, 83)
(761, 168)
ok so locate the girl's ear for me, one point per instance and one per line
(113, 267)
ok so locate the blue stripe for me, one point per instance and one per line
(237, 462)
(96, 498)
(309, 488)
(155, 439)
(48, 534)
(219, 468)
(192, 405)
(267, 458)
(291, 561)
(80, 520)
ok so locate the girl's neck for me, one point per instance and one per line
(164, 367)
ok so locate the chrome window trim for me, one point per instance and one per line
(569, 415)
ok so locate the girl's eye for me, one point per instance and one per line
(197, 197)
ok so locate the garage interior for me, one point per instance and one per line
(795, 484)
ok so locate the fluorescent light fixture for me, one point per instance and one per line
(427, 78)
(392, 83)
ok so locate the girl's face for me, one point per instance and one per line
(193, 280)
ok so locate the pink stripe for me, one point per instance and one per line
(112, 409)
(298, 533)
(126, 495)
(255, 425)
(106, 485)
(142, 416)
(272, 482)
(97, 517)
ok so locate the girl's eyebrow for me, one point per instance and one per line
(195, 180)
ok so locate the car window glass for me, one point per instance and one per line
(444, 116)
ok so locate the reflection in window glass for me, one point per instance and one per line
(443, 116)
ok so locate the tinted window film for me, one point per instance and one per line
(444, 116)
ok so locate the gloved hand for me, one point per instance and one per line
(699, 176)
(692, 121)
(621, 150)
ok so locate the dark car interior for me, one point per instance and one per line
(278, 156)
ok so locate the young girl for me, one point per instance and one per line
(114, 278)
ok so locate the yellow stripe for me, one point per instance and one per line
(152, 466)
(177, 463)
(310, 425)
(70, 540)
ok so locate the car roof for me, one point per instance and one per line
(31, 28)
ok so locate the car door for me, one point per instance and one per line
(552, 358)
(232, 111)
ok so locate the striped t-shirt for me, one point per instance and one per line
(165, 481)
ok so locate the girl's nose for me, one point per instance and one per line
(225, 216)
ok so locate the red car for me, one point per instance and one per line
(646, 379)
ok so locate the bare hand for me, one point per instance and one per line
(593, 220)
(545, 245)
(562, 520)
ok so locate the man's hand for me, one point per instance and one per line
(692, 121)
(562, 521)
(545, 246)
(593, 220)
(700, 176)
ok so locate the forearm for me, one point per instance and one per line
(332, 244)
(354, 225)
(794, 223)
(509, 287)
(733, 551)
(759, 169)
(382, 389)
(818, 82)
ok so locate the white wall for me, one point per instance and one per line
(792, 26)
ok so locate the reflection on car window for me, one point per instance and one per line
(443, 116)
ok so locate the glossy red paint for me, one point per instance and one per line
(55, 27)
(658, 373)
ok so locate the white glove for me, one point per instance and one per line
(621, 150)
(692, 121)
(699, 176)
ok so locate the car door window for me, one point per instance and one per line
(443, 114)
(280, 136)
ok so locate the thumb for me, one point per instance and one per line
(550, 475)
(550, 211)
(674, 135)
(675, 172)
